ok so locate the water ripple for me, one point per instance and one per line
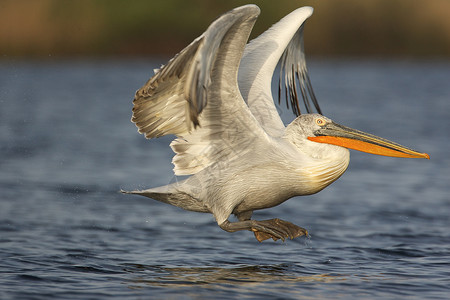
(379, 232)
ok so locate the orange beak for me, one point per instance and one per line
(339, 135)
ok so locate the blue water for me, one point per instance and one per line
(67, 147)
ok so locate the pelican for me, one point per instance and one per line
(215, 97)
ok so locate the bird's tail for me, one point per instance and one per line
(172, 194)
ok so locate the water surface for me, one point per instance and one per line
(67, 147)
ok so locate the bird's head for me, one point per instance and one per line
(320, 129)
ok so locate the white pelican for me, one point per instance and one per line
(230, 138)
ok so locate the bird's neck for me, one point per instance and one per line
(317, 164)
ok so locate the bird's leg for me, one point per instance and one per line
(263, 230)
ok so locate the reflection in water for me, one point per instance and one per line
(243, 275)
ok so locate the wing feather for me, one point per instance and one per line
(197, 98)
(295, 73)
(162, 99)
(282, 43)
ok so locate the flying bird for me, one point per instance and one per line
(215, 97)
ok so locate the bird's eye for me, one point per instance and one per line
(320, 122)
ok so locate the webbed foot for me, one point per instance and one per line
(277, 229)
(263, 230)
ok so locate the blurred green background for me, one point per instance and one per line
(99, 28)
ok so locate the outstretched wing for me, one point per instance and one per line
(196, 97)
(283, 43)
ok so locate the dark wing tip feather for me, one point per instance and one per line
(294, 75)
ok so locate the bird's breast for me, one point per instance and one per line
(269, 186)
(318, 173)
